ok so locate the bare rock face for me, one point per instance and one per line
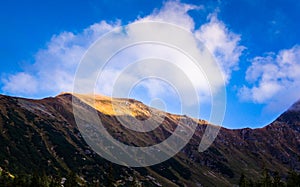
(41, 135)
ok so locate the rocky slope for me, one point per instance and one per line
(38, 135)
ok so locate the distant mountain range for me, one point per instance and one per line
(41, 135)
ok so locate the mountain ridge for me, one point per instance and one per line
(44, 133)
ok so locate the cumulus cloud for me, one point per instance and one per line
(55, 66)
(153, 60)
(274, 77)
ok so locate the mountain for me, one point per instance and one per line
(41, 135)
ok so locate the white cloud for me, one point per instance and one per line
(176, 13)
(274, 77)
(222, 43)
(54, 67)
(153, 61)
(22, 83)
(216, 36)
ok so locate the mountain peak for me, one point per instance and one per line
(117, 106)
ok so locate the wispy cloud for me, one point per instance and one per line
(15, 83)
(176, 13)
(222, 43)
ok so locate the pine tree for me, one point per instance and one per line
(111, 176)
(71, 180)
(251, 184)
(293, 179)
(35, 180)
(55, 182)
(277, 180)
(21, 180)
(266, 180)
(242, 181)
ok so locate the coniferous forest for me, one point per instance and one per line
(41, 179)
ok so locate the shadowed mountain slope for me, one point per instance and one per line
(41, 135)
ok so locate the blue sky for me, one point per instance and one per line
(259, 46)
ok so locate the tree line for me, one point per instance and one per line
(266, 180)
(37, 180)
(41, 179)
